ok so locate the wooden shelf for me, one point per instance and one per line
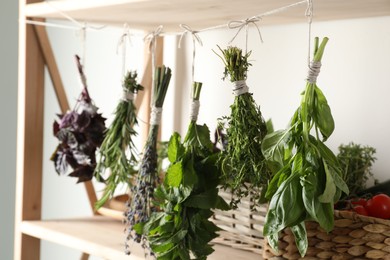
(199, 14)
(104, 237)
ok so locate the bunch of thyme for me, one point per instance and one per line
(80, 132)
(117, 152)
(243, 164)
(140, 207)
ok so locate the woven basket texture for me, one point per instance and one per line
(353, 237)
(242, 228)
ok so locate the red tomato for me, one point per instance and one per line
(379, 206)
(359, 209)
(359, 201)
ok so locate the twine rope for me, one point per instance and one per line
(309, 15)
(155, 115)
(240, 87)
(122, 44)
(314, 70)
(127, 96)
(194, 110)
(195, 38)
(240, 24)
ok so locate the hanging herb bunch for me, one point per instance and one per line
(244, 168)
(80, 132)
(117, 152)
(307, 178)
(186, 198)
(140, 208)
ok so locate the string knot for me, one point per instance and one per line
(244, 23)
(155, 115)
(127, 96)
(314, 70)
(151, 37)
(240, 87)
(195, 35)
(194, 110)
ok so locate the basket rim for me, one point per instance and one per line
(357, 217)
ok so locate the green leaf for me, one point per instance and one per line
(189, 175)
(274, 184)
(326, 153)
(299, 232)
(272, 147)
(174, 175)
(205, 200)
(330, 187)
(175, 148)
(322, 115)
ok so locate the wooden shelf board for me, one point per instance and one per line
(199, 14)
(104, 237)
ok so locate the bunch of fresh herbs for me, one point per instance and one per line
(182, 228)
(243, 164)
(117, 152)
(308, 178)
(80, 132)
(356, 162)
(140, 208)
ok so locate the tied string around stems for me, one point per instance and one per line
(240, 87)
(155, 115)
(314, 70)
(195, 38)
(194, 110)
(240, 24)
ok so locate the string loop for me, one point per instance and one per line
(155, 115)
(240, 24)
(194, 110)
(152, 36)
(314, 70)
(122, 43)
(240, 87)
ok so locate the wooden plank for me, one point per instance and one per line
(142, 101)
(104, 237)
(199, 14)
(29, 139)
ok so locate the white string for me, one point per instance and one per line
(309, 15)
(259, 16)
(122, 43)
(194, 110)
(155, 115)
(314, 70)
(127, 96)
(240, 87)
(151, 38)
(195, 38)
(244, 23)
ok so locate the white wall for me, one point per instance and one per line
(355, 78)
(8, 93)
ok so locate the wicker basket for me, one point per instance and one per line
(353, 237)
(242, 227)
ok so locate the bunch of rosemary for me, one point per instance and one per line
(307, 179)
(243, 164)
(187, 196)
(117, 152)
(147, 179)
(80, 132)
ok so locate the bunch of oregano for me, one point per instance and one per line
(244, 168)
(141, 195)
(307, 179)
(182, 229)
(117, 152)
(80, 132)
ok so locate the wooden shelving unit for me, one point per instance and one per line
(99, 235)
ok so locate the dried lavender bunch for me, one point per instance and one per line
(118, 153)
(140, 207)
(80, 132)
(243, 163)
